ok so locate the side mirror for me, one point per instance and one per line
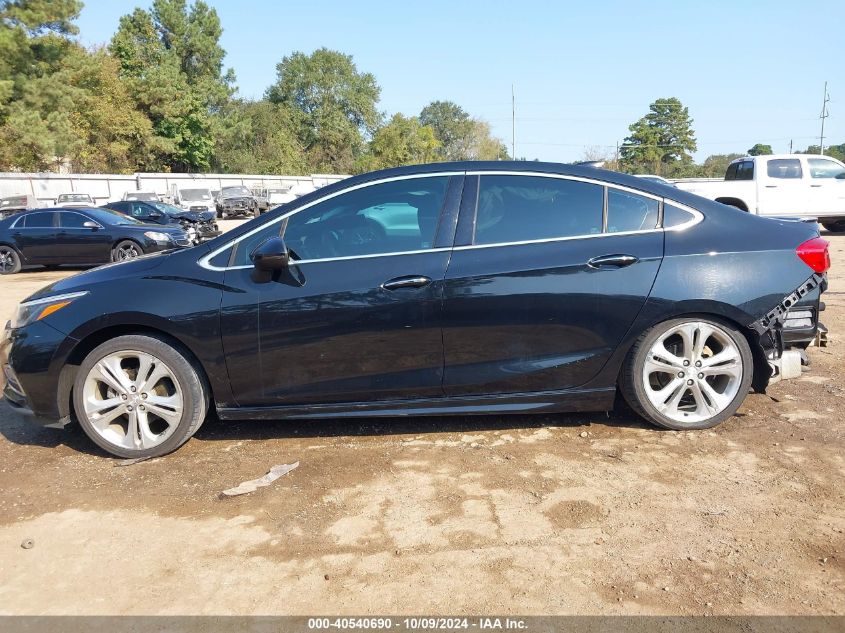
(271, 255)
(155, 216)
(91, 225)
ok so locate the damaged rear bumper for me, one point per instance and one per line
(784, 351)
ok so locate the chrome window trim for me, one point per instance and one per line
(205, 261)
(592, 181)
(696, 218)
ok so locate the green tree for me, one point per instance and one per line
(760, 150)
(662, 141)
(334, 106)
(35, 125)
(834, 151)
(402, 141)
(258, 137)
(716, 165)
(453, 127)
(172, 62)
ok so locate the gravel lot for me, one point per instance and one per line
(563, 514)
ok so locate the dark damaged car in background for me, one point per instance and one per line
(440, 289)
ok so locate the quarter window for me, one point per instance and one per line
(630, 212)
(523, 208)
(389, 217)
(784, 168)
(39, 220)
(673, 216)
(823, 168)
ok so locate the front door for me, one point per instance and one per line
(82, 244)
(547, 284)
(357, 314)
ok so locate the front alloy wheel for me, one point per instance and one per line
(125, 251)
(136, 396)
(688, 373)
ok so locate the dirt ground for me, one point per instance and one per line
(554, 514)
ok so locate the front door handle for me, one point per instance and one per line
(410, 281)
(612, 261)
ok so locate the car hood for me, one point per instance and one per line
(194, 216)
(108, 272)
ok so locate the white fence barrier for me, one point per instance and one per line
(105, 188)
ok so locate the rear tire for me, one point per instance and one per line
(10, 261)
(669, 379)
(139, 396)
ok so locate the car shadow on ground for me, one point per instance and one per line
(18, 430)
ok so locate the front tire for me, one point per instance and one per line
(10, 261)
(139, 396)
(126, 250)
(834, 227)
(688, 373)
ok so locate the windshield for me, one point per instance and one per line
(195, 194)
(16, 202)
(168, 209)
(107, 216)
(141, 195)
(231, 192)
(74, 197)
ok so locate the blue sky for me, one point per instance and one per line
(749, 71)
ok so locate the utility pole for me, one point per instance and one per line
(823, 116)
(513, 123)
(790, 146)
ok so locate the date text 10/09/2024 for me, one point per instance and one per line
(418, 624)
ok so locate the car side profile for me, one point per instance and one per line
(52, 237)
(452, 288)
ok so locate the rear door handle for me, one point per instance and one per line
(815, 185)
(410, 281)
(771, 186)
(612, 261)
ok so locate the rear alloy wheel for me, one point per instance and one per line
(10, 261)
(690, 373)
(126, 250)
(137, 396)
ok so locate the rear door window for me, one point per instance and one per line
(784, 168)
(42, 220)
(630, 212)
(527, 208)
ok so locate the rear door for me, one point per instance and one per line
(35, 235)
(547, 275)
(783, 188)
(827, 187)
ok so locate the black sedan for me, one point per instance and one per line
(52, 237)
(440, 289)
(199, 225)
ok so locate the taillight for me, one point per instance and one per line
(814, 253)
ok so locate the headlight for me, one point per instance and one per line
(157, 237)
(35, 310)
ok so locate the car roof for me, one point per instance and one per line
(521, 167)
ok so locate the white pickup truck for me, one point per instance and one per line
(786, 185)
